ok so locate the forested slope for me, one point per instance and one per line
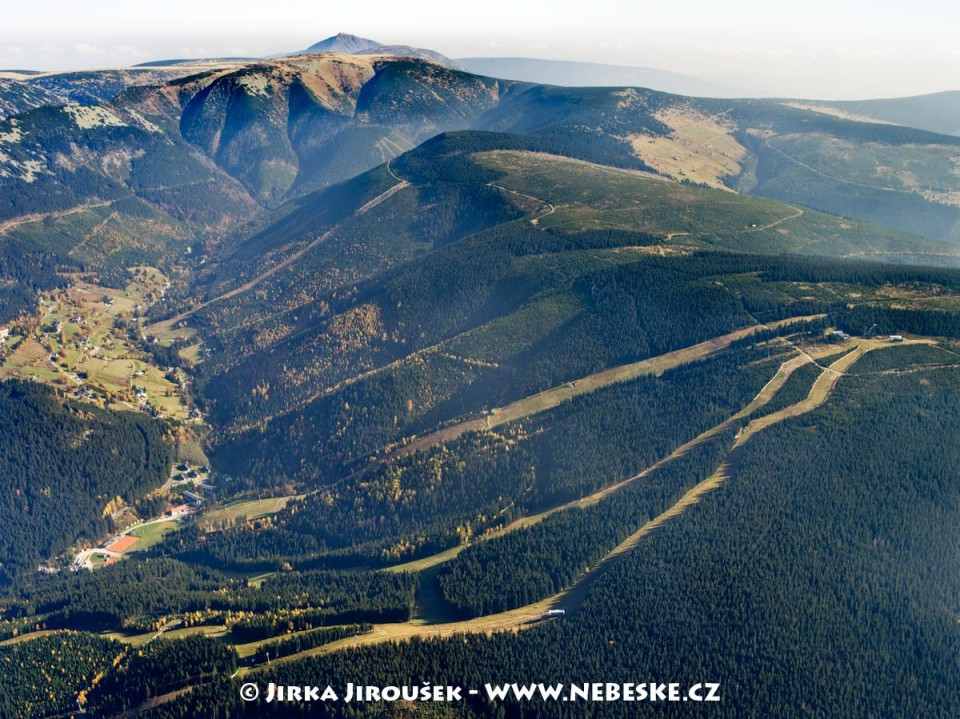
(803, 562)
(62, 463)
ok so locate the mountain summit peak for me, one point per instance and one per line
(343, 42)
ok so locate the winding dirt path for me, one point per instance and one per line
(775, 223)
(547, 208)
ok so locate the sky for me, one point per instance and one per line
(839, 49)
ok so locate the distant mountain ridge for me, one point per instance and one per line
(937, 112)
(21, 91)
(183, 162)
(287, 126)
(592, 74)
(24, 90)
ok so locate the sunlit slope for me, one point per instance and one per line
(937, 112)
(464, 275)
(893, 175)
(190, 161)
(589, 196)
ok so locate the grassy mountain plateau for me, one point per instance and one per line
(352, 366)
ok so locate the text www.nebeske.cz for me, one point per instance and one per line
(591, 692)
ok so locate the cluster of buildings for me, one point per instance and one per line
(199, 479)
(838, 335)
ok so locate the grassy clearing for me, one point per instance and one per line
(174, 632)
(246, 651)
(192, 353)
(430, 608)
(700, 148)
(31, 635)
(249, 509)
(207, 630)
(150, 534)
(169, 334)
(514, 620)
(420, 565)
(134, 640)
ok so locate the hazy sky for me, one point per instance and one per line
(814, 48)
